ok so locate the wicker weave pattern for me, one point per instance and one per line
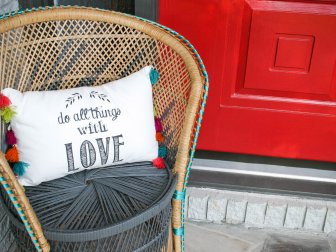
(66, 54)
(90, 47)
(132, 240)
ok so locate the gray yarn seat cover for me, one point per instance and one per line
(95, 199)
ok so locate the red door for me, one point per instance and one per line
(272, 69)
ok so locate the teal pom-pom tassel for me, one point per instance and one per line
(154, 76)
(162, 151)
(20, 168)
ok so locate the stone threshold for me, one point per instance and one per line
(205, 236)
(261, 210)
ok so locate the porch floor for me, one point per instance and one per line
(204, 237)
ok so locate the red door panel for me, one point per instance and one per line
(294, 61)
(272, 68)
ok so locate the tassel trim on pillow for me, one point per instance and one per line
(7, 114)
(4, 101)
(12, 154)
(20, 168)
(10, 137)
(158, 162)
(154, 76)
(159, 137)
(158, 125)
(162, 152)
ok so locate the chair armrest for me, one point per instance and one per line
(21, 203)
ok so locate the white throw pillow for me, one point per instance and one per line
(66, 131)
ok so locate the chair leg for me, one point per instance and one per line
(177, 243)
(170, 240)
(169, 246)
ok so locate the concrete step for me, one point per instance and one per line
(204, 237)
(261, 210)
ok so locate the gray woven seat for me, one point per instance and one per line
(102, 209)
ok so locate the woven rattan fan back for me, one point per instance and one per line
(71, 53)
(64, 48)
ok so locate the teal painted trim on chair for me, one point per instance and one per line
(21, 213)
(178, 231)
(179, 195)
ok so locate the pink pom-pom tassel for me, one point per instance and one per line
(158, 125)
(10, 137)
(159, 163)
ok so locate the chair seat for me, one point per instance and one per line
(111, 204)
(97, 198)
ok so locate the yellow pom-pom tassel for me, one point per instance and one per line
(7, 114)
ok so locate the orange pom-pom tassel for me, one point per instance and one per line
(159, 163)
(12, 155)
(159, 137)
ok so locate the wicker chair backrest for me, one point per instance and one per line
(70, 47)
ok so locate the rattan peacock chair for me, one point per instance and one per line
(126, 209)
